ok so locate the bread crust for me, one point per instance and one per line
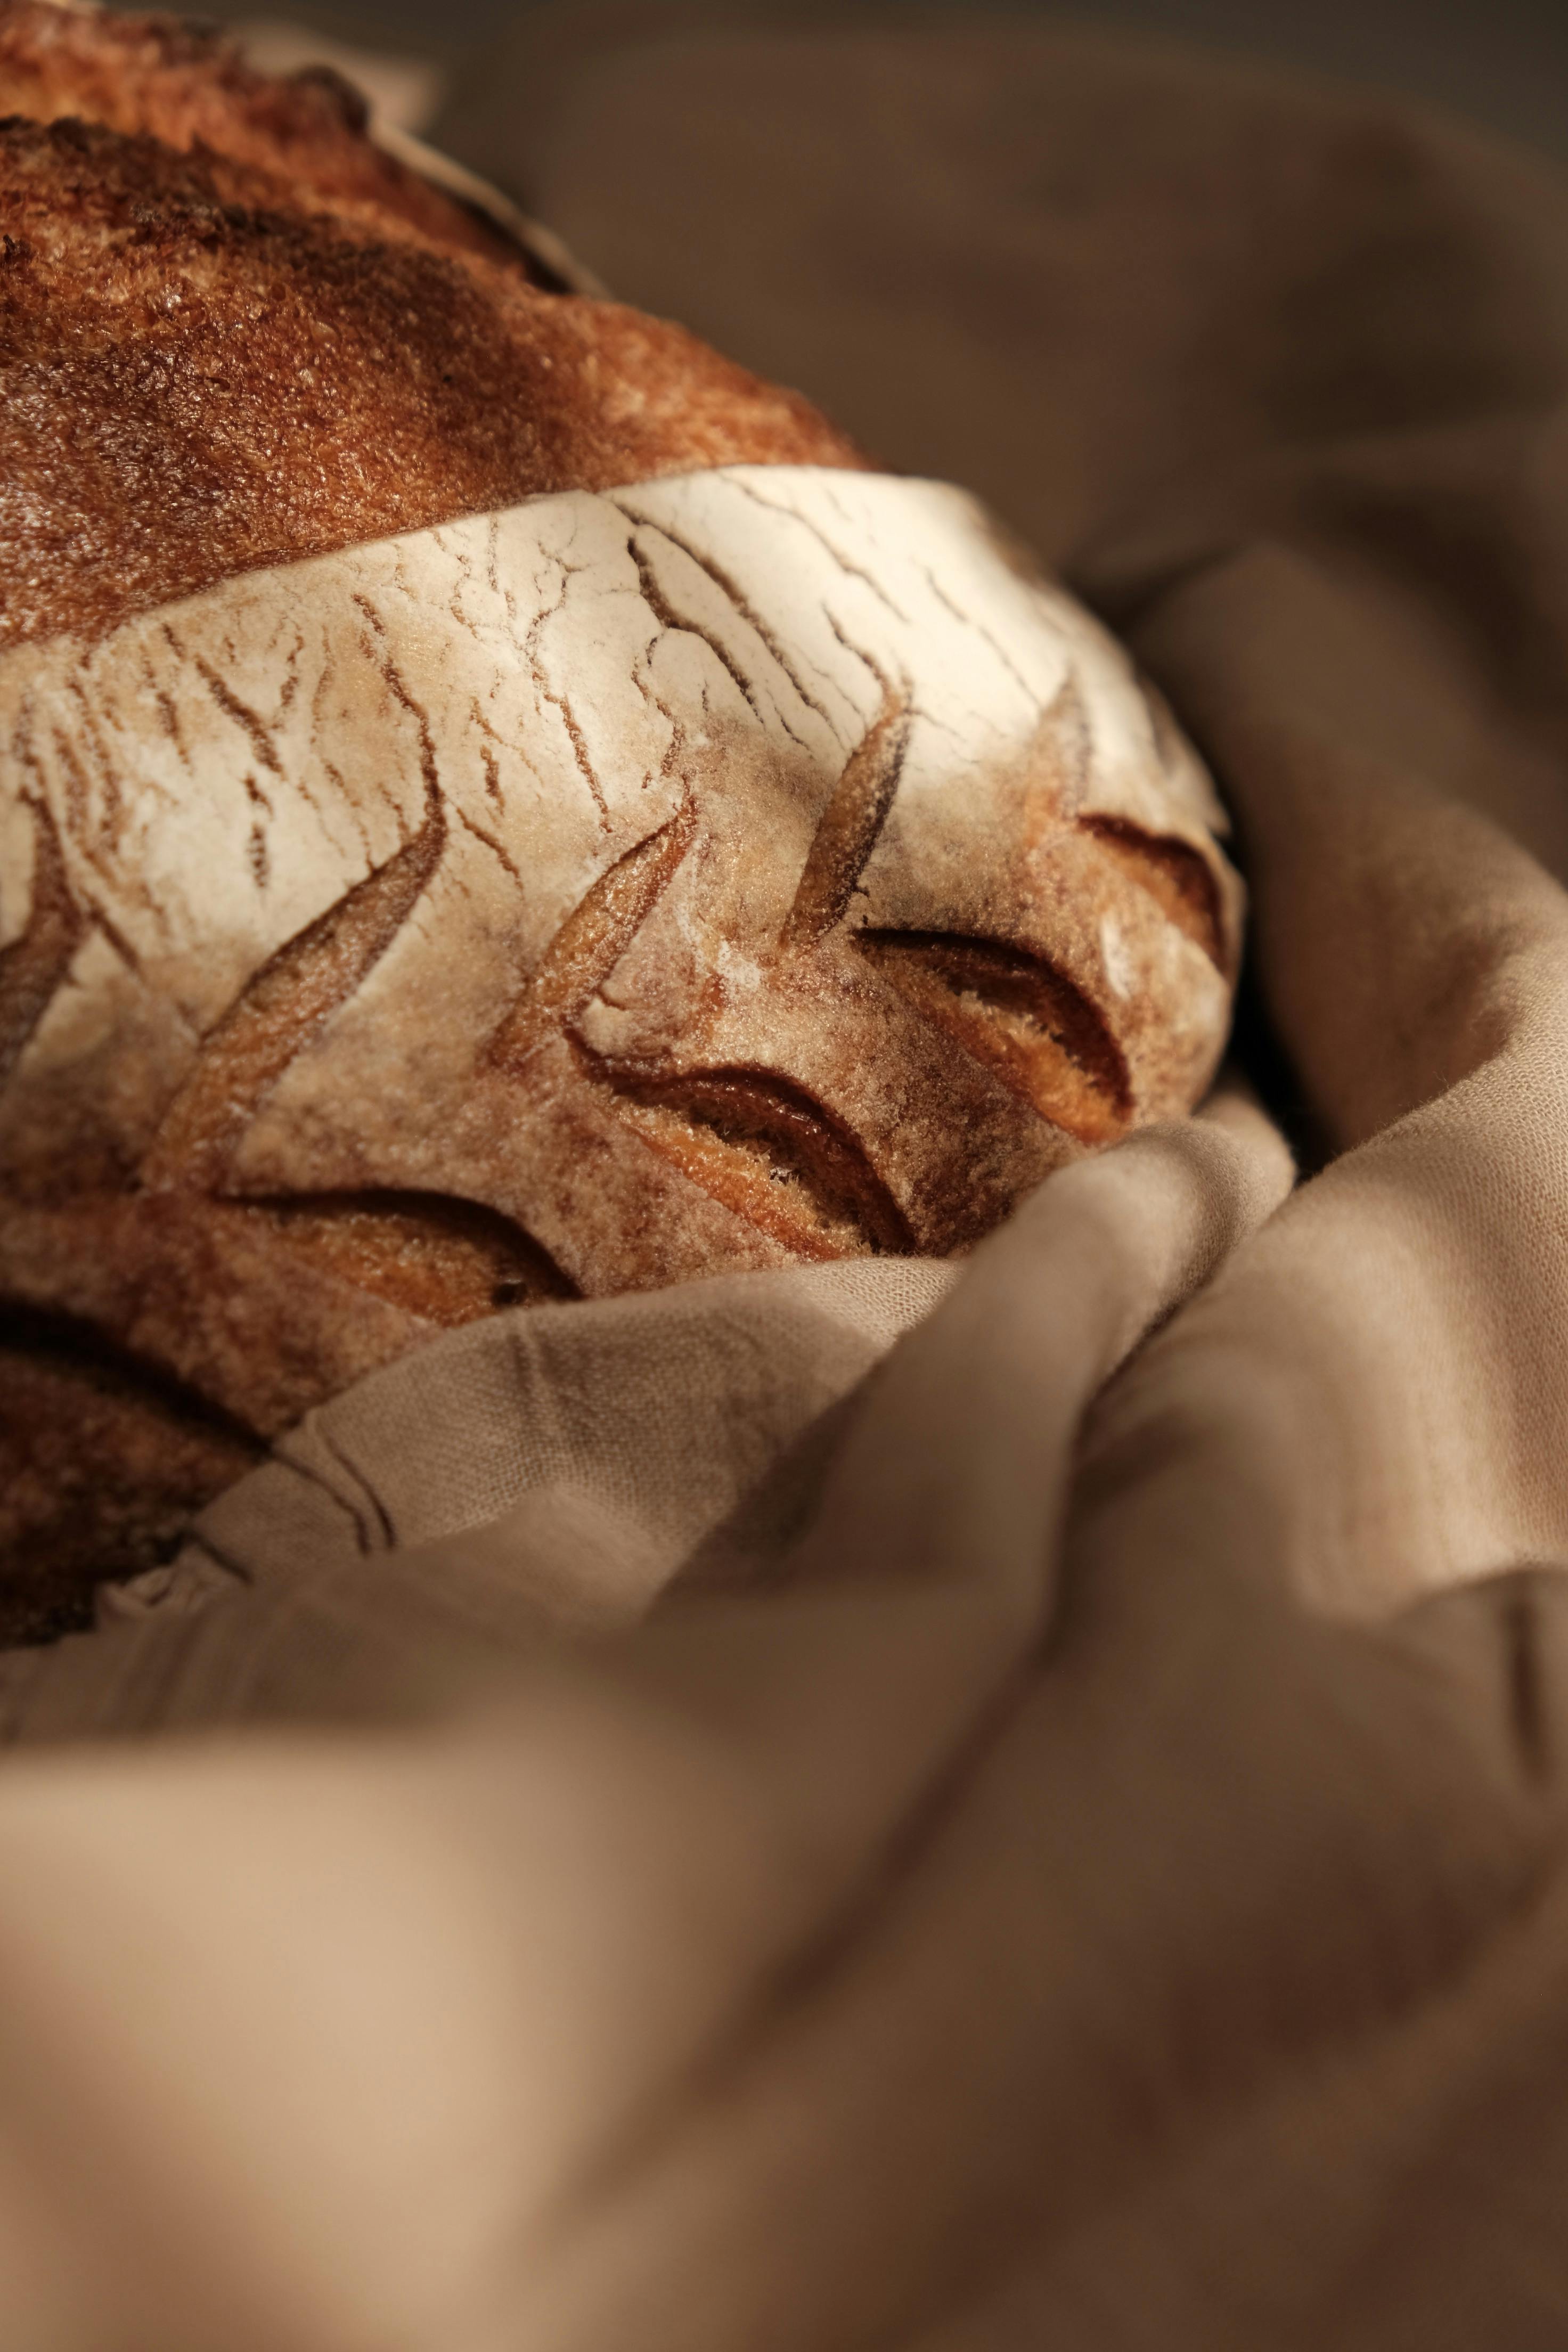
(196, 379)
(188, 86)
(713, 873)
(779, 983)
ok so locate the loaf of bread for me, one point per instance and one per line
(497, 803)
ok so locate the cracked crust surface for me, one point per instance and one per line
(705, 875)
(404, 957)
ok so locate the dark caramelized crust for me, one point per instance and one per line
(187, 86)
(195, 380)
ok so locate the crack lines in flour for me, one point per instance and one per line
(665, 613)
(347, 800)
(290, 685)
(730, 588)
(494, 741)
(852, 570)
(257, 856)
(108, 831)
(77, 798)
(986, 636)
(393, 678)
(497, 847)
(249, 721)
(559, 702)
(258, 733)
(169, 718)
(86, 836)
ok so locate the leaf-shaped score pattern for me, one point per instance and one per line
(1176, 877)
(767, 1150)
(591, 941)
(847, 830)
(443, 1259)
(282, 1008)
(1016, 1013)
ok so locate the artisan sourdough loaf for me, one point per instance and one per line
(497, 805)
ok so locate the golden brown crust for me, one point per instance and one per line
(195, 381)
(233, 336)
(188, 86)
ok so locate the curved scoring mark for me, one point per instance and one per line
(282, 1008)
(591, 941)
(769, 1152)
(1175, 875)
(33, 966)
(446, 1259)
(850, 826)
(1027, 1021)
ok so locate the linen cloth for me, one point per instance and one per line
(720, 1825)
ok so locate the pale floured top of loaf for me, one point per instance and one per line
(737, 869)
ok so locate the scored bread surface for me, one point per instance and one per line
(404, 916)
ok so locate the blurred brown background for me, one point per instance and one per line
(1502, 62)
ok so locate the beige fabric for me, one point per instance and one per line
(584, 1453)
(1079, 1858)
